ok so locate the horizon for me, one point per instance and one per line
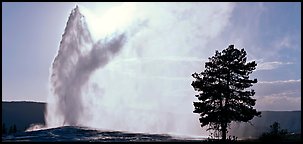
(192, 113)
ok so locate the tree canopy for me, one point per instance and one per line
(222, 90)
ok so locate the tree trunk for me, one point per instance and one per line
(224, 130)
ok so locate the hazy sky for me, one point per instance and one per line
(269, 32)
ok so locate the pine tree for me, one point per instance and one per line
(222, 91)
(275, 133)
(14, 128)
(10, 130)
(3, 128)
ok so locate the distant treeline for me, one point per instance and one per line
(22, 115)
(12, 129)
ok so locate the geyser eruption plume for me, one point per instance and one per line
(137, 77)
(78, 57)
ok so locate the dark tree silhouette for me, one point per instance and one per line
(14, 128)
(10, 130)
(3, 128)
(275, 133)
(222, 93)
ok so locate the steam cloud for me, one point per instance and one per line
(73, 66)
(137, 79)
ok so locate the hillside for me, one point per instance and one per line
(22, 114)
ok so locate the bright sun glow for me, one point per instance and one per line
(114, 19)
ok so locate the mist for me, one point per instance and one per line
(77, 59)
(135, 76)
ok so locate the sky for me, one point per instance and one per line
(173, 44)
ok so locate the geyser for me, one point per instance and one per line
(136, 75)
(78, 57)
